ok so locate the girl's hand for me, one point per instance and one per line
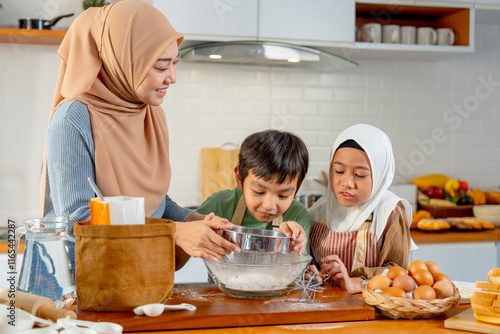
(294, 230)
(336, 270)
(199, 239)
(313, 272)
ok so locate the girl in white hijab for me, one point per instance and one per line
(360, 228)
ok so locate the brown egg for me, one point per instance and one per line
(424, 292)
(444, 289)
(432, 267)
(395, 292)
(416, 265)
(395, 272)
(404, 282)
(379, 282)
(423, 277)
(439, 277)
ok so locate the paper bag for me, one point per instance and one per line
(120, 267)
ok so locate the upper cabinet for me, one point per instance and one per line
(217, 20)
(330, 25)
(312, 22)
(487, 4)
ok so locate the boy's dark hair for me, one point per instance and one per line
(274, 153)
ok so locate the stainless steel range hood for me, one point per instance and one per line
(265, 53)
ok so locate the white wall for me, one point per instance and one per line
(211, 105)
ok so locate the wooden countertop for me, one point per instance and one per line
(381, 324)
(422, 237)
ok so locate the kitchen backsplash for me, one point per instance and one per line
(442, 117)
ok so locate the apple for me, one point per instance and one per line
(434, 192)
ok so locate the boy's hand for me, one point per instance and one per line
(294, 230)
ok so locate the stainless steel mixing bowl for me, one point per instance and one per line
(258, 240)
(258, 275)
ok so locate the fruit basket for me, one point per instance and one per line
(447, 211)
(395, 308)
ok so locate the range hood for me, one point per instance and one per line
(265, 53)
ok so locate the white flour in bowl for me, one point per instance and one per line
(256, 282)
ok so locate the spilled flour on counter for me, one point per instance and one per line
(280, 305)
(194, 295)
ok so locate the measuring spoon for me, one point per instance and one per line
(154, 310)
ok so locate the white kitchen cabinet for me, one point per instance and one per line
(389, 2)
(217, 20)
(313, 22)
(328, 25)
(461, 261)
(451, 3)
(487, 4)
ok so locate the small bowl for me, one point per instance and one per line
(258, 240)
(258, 275)
(488, 212)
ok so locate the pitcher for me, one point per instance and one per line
(46, 269)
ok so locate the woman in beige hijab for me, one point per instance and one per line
(107, 123)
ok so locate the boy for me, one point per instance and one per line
(272, 165)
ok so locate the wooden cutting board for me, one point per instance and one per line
(467, 322)
(217, 310)
(217, 170)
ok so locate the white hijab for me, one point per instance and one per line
(381, 201)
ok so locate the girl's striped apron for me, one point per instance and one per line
(355, 249)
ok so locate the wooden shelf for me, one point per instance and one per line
(32, 36)
(460, 19)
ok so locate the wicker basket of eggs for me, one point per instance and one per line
(421, 292)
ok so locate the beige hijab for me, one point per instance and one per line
(106, 54)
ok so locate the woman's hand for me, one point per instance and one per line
(199, 239)
(336, 270)
(195, 216)
(294, 230)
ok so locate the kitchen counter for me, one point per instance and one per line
(381, 324)
(259, 319)
(422, 237)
